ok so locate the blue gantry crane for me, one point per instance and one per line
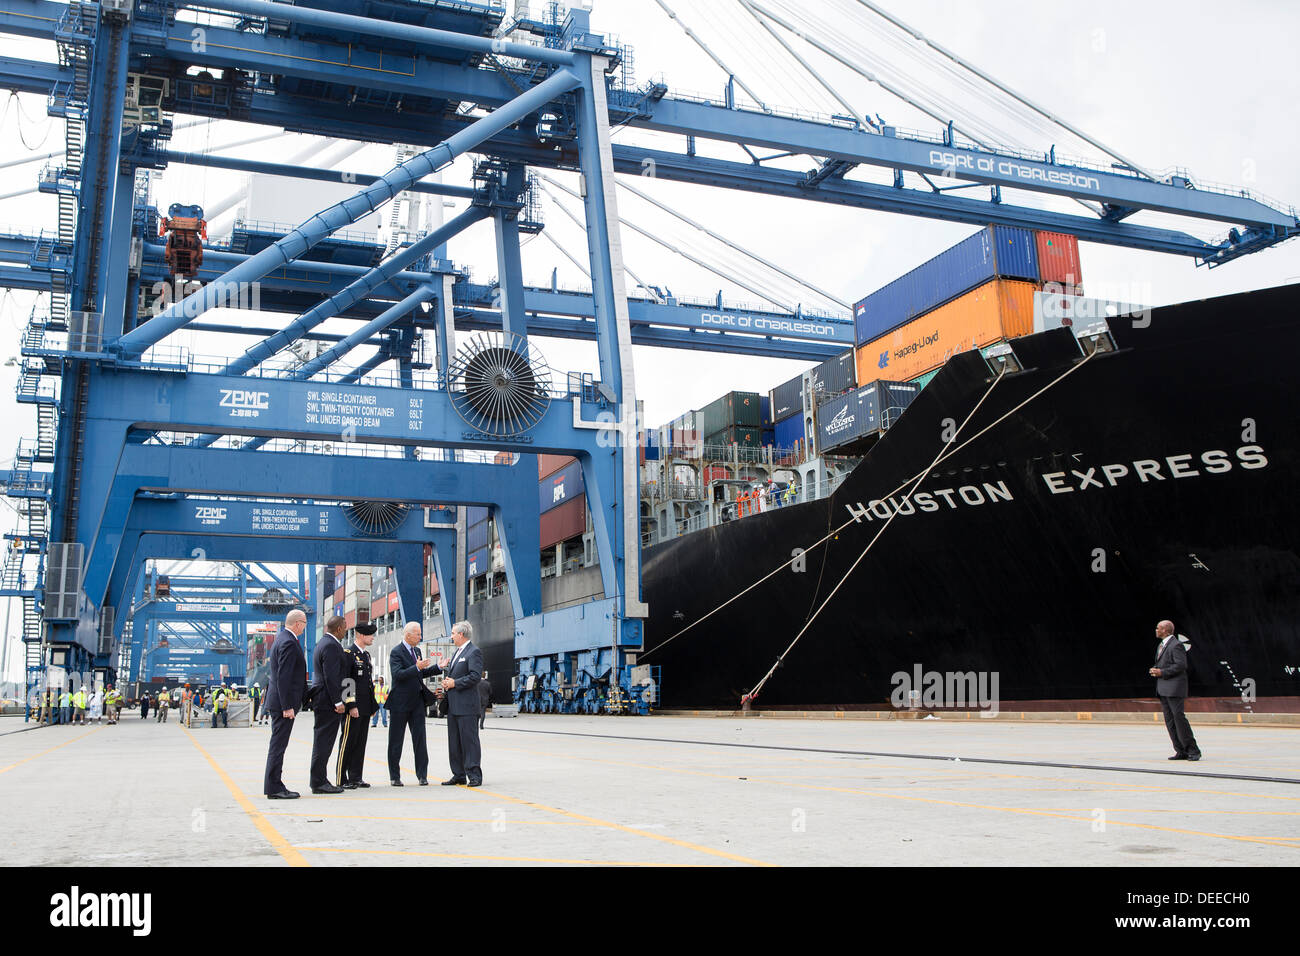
(135, 435)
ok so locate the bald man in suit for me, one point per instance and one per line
(1170, 671)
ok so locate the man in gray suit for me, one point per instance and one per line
(461, 675)
(1170, 672)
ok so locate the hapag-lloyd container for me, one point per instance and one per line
(993, 252)
(1000, 309)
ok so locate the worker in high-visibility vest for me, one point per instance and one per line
(164, 702)
(219, 708)
(79, 707)
(381, 695)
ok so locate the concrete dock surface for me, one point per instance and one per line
(663, 791)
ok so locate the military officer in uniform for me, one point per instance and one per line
(359, 698)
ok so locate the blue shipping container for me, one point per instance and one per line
(558, 488)
(787, 399)
(847, 418)
(476, 536)
(475, 515)
(993, 252)
(477, 563)
(769, 436)
(765, 408)
(789, 431)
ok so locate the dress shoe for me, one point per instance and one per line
(454, 782)
(349, 786)
(475, 783)
(1193, 756)
(423, 781)
(362, 784)
(328, 788)
(396, 783)
(283, 795)
(1178, 757)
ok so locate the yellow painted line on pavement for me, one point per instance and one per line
(281, 845)
(478, 821)
(477, 856)
(594, 821)
(51, 750)
(1271, 840)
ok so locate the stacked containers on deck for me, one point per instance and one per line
(736, 417)
(844, 421)
(477, 540)
(977, 292)
(828, 381)
(561, 499)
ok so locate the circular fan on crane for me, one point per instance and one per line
(499, 384)
(376, 517)
(274, 598)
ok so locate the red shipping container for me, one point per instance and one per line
(350, 620)
(1058, 258)
(550, 464)
(378, 607)
(392, 601)
(569, 520)
(715, 473)
(503, 457)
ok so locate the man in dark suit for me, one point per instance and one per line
(407, 670)
(284, 692)
(359, 698)
(484, 699)
(1170, 672)
(330, 669)
(460, 680)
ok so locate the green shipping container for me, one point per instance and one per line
(922, 381)
(734, 408)
(737, 435)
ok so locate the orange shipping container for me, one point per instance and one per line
(996, 310)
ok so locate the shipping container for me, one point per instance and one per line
(893, 399)
(1058, 259)
(476, 536)
(393, 602)
(715, 473)
(769, 436)
(562, 486)
(503, 458)
(350, 620)
(787, 399)
(379, 607)
(338, 609)
(550, 464)
(735, 435)
(734, 408)
(835, 376)
(475, 515)
(846, 419)
(921, 381)
(789, 431)
(996, 310)
(477, 562)
(567, 521)
(993, 252)
(765, 406)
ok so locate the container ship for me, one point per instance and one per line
(1100, 468)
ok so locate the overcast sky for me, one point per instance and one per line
(1190, 84)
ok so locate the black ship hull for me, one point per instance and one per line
(1154, 481)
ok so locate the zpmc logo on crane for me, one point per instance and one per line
(244, 403)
